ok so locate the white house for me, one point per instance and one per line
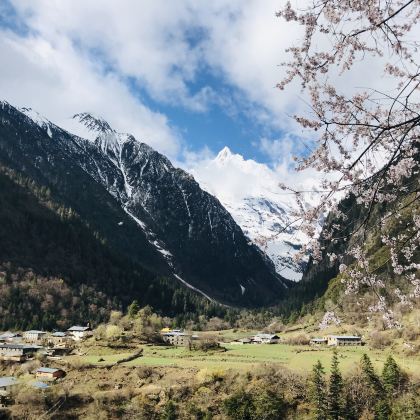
(34, 336)
(79, 333)
(177, 338)
(266, 339)
(344, 340)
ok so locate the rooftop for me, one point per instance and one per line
(346, 337)
(47, 370)
(6, 381)
(19, 346)
(267, 336)
(39, 385)
(175, 333)
(78, 328)
(8, 334)
(58, 334)
(34, 332)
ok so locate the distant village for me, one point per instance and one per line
(18, 347)
(180, 338)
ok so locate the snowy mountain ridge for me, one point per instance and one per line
(193, 236)
(250, 192)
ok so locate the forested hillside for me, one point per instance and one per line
(56, 270)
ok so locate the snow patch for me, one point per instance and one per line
(194, 288)
(38, 119)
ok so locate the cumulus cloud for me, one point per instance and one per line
(109, 57)
(58, 82)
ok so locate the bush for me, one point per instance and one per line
(144, 372)
(210, 376)
(206, 344)
(298, 340)
(379, 340)
(410, 333)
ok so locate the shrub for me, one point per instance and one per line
(206, 344)
(144, 372)
(299, 340)
(210, 376)
(379, 340)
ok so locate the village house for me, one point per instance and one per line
(34, 336)
(241, 341)
(17, 352)
(9, 337)
(6, 385)
(344, 340)
(317, 341)
(265, 339)
(176, 338)
(50, 374)
(78, 332)
(59, 339)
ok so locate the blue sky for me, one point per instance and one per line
(187, 77)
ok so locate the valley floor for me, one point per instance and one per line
(249, 356)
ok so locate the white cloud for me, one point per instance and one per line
(58, 82)
(81, 55)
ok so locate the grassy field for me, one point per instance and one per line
(249, 356)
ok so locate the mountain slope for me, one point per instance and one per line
(140, 205)
(250, 191)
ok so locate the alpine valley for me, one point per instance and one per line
(109, 214)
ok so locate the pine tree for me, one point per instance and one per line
(381, 405)
(318, 393)
(391, 375)
(382, 410)
(349, 410)
(335, 390)
(133, 309)
(371, 378)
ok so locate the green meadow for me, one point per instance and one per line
(249, 356)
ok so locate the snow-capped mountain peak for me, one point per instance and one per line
(38, 119)
(250, 192)
(224, 155)
(93, 123)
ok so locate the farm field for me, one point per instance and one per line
(249, 356)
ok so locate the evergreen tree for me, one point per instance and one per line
(133, 309)
(382, 410)
(317, 392)
(335, 389)
(371, 378)
(391, 375)
(349, 409)
(381, 404)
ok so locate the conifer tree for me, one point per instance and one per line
(391, 375)
(133, 309)
(382, 410)
(349, 409)
(381, 405)
(335, 389)
(317, 392)
(371, 378)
